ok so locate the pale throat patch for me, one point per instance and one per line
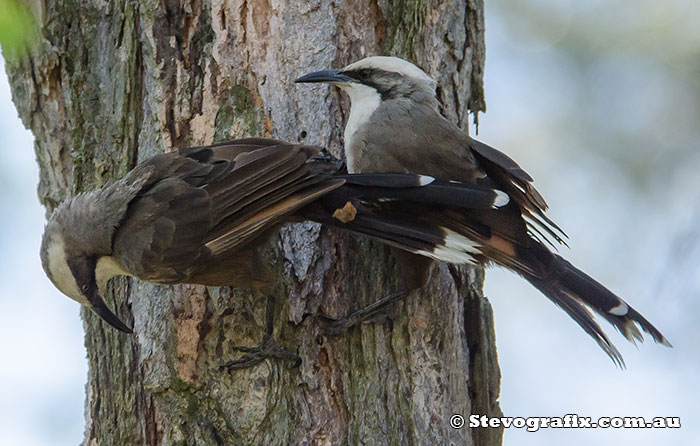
(364, 101)
(105, 269)
(61, 275)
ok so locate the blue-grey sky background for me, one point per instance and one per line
(600, 102)
(43, 370)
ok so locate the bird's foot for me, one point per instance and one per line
(268, 349)
(255, 355)
(333, 327)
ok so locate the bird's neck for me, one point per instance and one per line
(105, 269)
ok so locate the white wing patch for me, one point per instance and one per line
(457, 249)
(501, 200)
(424, 180)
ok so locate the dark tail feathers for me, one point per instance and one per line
(575, 292)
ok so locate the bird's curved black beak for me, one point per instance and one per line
(325, 76)
(98, 305)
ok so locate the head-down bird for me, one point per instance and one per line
(200, 215)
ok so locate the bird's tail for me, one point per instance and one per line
(576, 292)
(440, 220)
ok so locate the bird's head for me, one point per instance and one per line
(382, 76)
(72, 270)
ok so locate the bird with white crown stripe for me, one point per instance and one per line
(395, 125)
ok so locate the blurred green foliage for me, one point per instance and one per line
(17, 27)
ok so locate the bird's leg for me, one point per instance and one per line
(415, 271)
(267, 349)
(368, 313)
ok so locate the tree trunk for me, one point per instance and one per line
(112, 83)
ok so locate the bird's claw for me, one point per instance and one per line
(372, 312)
(255, 355)
(334, 327)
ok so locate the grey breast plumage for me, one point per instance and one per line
(403, 137)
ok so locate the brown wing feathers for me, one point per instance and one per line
(243, 185)
(259, 189)
(207, 200)
(268, 216)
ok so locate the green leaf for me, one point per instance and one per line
(17, 26)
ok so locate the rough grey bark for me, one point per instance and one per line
(112, 83)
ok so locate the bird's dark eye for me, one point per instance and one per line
(364, 73)
(84, 287)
